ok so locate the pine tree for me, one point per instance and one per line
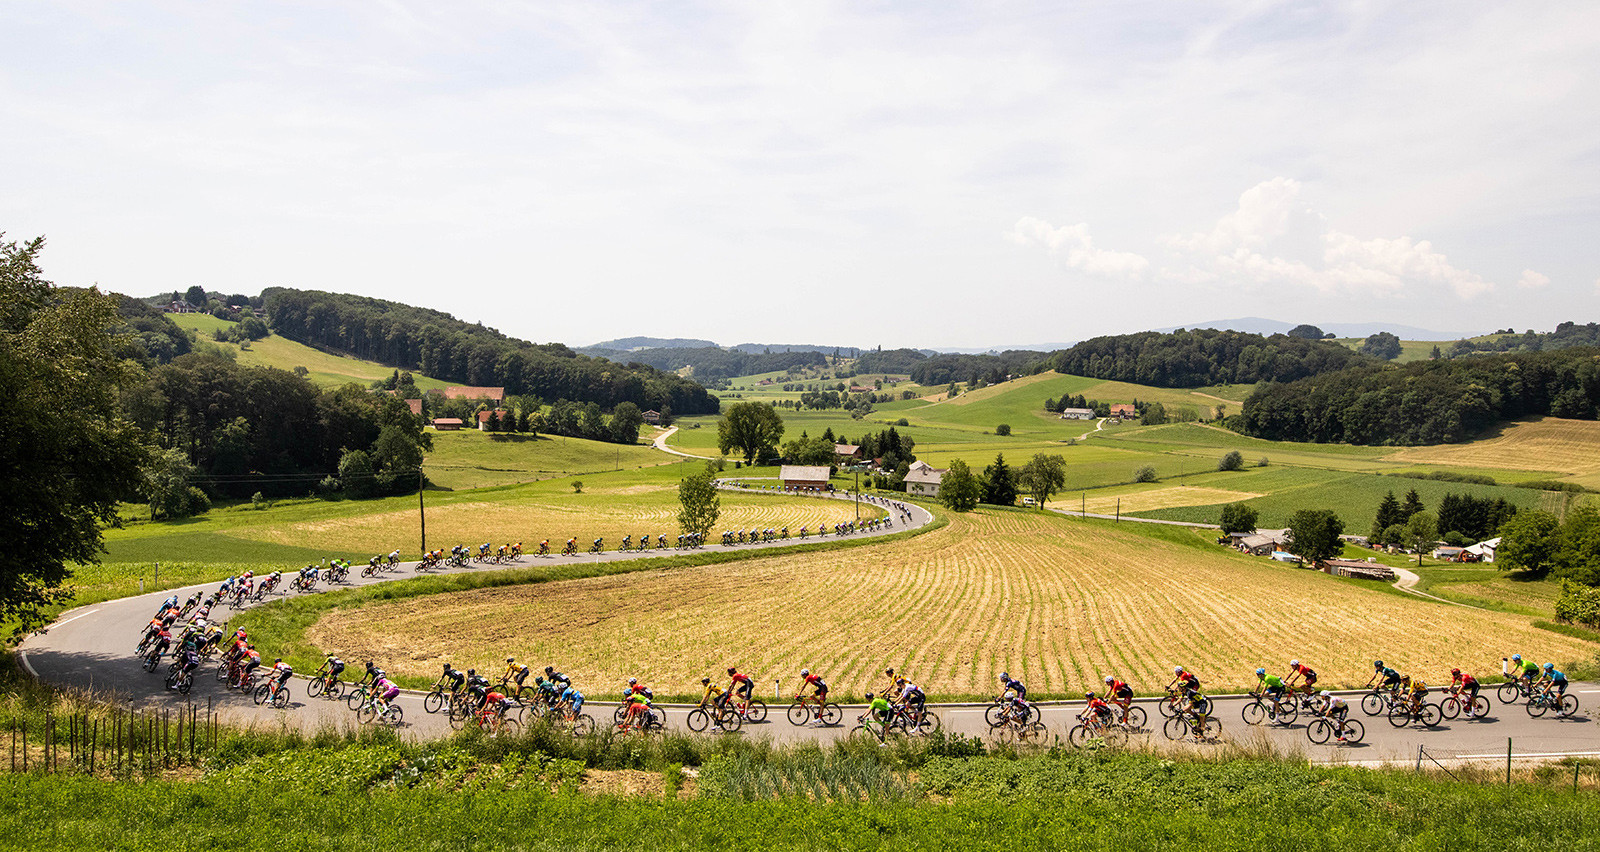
(999, 483)
(1412, 506)
(1388, 516)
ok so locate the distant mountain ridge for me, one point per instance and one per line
(628, 344)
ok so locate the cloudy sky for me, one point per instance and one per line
(861, 173)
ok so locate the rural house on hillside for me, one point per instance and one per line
(805, 476)
(1124, 411)
(1077, 414)
(924, 479)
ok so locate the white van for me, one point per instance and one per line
(1029, 502)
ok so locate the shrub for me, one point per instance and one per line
(1234, 460)
(577, 486)
(1578, 604)
(902, 421)
(1003, 429)
(1145, 474)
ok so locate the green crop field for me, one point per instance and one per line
(474, 459)
(323, 368)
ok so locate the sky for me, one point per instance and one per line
(932, 174)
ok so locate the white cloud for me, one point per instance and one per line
(1275, 239)
(1072, 245)
(1531, 280)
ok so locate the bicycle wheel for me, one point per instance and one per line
(756, 712)
(1078, 736)
(1319, 731)
(1354, 731)
(860, 732)
(1372, 703)
(508, 728)
(1567, 706)
(185, 683)
(1536, 707)
(1212, 729)
(1480, 707)
(433, 702)
(1399, 716)
(1174, 728)
(280, 699)
(459, 713)
(583, 725)
(314, 687)
(1167, 708)
(1430, 715)
(394, 716)
(222, 673)
(929, 723)
(799, 713)
(698, 719)
(357, 696)
(367, 713)
(1286, 712)
(1115, 736)
(1254, 713)
(262, 692)
(1450, 707)
(1509, 692)
(621, 711)
(1007, 732)
(1136, 718)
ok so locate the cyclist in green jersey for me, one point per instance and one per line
(878, 711)
(1272, 683)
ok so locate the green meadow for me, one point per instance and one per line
(324, 368)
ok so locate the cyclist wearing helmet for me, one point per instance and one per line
(1336, 708)
(1097, 707)
(740, 684)
(913, 698)
(1185, 681)
(1384, 676)
(1554, 678)
(878, 710)
(1119, 693)
(633, 684)
(556, 677)
(573, 699)
(1464, 684)
(1298, 671)
(1274, 685)
(1530, 672)
(819, 689)
(1019, 695)
(515, 672)
(454, 677)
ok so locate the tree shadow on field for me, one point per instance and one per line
(504, 438)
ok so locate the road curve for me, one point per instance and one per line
(92, 647)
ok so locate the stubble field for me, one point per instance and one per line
(1058, 602)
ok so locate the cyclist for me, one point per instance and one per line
(1018, 693)
(1464, 684)
(515, 672)
(371, 675)
(383, 689)
(1184, 680)
(557, 678)
(279, 676)
(740, 685)
(1120, 693)
(638, 705)
(252, 661)
(496, 704)
(573, 699)
(1098, 709)
(455, 677)
(330, 671)
(477, 687)
(877, 711)
(1390, 679)
(1274, 686)
(816, 683)
(1416, 692)
(1527, 670)
(1336, 708)
(187, 664)
(1553, 679)
(1298, 671)
(912, 698)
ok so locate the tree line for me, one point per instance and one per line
(442, 346)
(1425, 402)
(1202, 356)
(713, 364)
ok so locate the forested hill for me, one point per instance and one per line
(442, 346)
(1425, 402)
(1198, 357)
(713, 363)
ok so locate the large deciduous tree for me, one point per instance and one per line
(1383, 345)
(1042, 476)
(1314, 534)
(1238, 518)
(959, 490)
(752, 428)
(60, 477)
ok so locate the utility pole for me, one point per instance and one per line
(422, 513)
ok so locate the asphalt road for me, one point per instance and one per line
(93, 647)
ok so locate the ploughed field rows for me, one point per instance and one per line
(1059, 602)
(610, 513)
(1569, 447)
(1151, 499)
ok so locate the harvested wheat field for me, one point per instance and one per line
(1059, 602)
(530, 516)
(1155, 498)
(1570, 447)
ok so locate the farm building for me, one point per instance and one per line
(847, 451)
(447, 424)
(805, 476)
(1357, 569)
(1077, 414)
(1124, 410)
(495, 395)
(416, 406)
(483, 419)
(1447, 553)
(652, 417)
(924, 479)
(1484, 550)
(1262, 542)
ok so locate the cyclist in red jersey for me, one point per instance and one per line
(807, 679)
(740, 684)
(1119, 693)
(1463, 683)
(1297, 672)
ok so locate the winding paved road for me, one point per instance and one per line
(92, 647)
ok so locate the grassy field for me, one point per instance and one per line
(1563, 449)
(1410, 350)
(324, 368)
(472, 459)
(1056, 601)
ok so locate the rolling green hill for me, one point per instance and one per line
(323, 368)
